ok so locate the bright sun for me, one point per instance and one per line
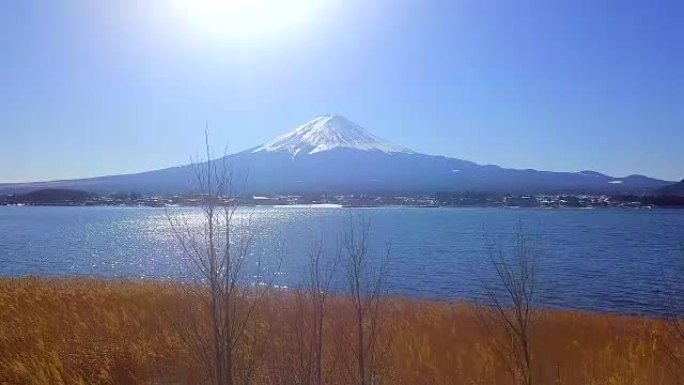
(246, 19)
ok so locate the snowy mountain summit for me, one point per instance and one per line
(327, 132)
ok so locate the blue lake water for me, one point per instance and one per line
(605, 260)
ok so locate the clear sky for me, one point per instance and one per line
(92, 88)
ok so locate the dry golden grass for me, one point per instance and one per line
(83, 331)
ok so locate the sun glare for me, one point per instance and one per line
(246, 19)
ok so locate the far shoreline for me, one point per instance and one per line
(67, 197)
(340, 206)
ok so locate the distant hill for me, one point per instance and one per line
(673, 189)
(332, 154)
(53, 196)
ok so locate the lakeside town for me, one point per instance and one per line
(62, 197)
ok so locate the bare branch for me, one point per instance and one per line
(509, 312)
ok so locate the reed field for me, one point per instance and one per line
(90, 331)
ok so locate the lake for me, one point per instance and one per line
(604, 260)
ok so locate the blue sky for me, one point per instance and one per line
(94, 88)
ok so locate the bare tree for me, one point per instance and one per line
(312, 300)
(319, 278)
(220, 306)
(366, 285)
(509, 311)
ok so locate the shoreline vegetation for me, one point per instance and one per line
(64, 197)
(96, 331)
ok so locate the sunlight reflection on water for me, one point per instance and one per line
(615, 260)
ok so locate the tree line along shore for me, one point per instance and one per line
(65, 197)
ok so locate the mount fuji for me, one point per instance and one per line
(325, 133)
(331, 154)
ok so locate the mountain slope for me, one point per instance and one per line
(673, 189)
(332, 154)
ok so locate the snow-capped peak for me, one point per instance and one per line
(327, 132)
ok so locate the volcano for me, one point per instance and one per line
(332, 154)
